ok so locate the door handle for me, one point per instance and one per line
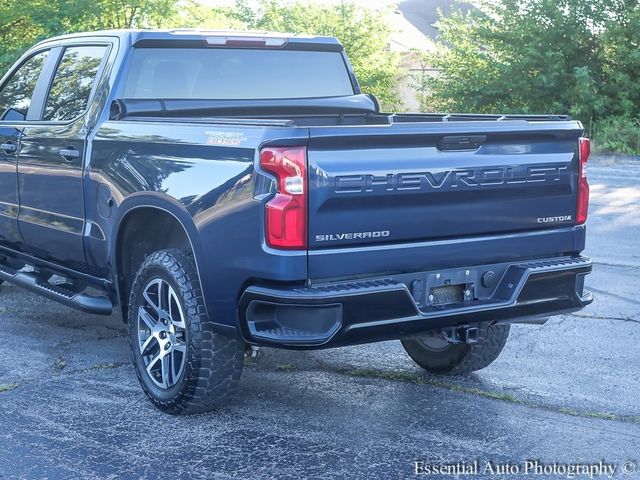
(461, 142)
(8, 147)
(69, 153)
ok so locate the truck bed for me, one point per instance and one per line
(398, 192)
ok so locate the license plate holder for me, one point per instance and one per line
(447, 295)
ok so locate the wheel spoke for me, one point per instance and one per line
(179, 324)
(146, 344)
(146, 296)
(170, 296)
(166, 371)
(146, 318)
(153, 361)
(175, 310)
(174, 374)
(180, 348)
(163, 295)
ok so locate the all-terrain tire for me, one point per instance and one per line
(459, 359)
(213, 362)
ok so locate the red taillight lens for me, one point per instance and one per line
(286, 213)
(583, 184)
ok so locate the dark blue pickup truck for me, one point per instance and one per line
(229, 190)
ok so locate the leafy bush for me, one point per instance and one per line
(618, 134)
(540, 56)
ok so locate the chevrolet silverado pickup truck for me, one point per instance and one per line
(226, 191)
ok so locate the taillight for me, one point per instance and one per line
(286, 213)
(583, 184)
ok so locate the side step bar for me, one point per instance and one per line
(98, 305)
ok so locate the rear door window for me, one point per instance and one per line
(15, 95)
(73, 82)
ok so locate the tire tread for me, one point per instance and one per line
(214, 361)
(460, 359)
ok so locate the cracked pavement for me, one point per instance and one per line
(71, 407)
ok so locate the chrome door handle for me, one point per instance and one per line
(69, 153)
(8, 147)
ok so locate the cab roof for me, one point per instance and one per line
(199, 38)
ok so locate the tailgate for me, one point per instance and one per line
(427, 181)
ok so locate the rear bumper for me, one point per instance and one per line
(345, 313)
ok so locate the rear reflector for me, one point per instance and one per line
(286, 213)
(583, 184)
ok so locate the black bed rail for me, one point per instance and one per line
(347, 110)
(471, 117)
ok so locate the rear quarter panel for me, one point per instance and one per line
(203, 175)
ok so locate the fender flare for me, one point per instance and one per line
(166, 204)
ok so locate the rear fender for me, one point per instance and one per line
(166, 204)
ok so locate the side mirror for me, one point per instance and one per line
(13, 115)
(375, 101)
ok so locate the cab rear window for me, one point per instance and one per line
(235, 73)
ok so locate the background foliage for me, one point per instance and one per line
(544, 56)
(536, 56)
(363, 32)
(24, 22)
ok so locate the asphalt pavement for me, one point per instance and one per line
(566, 393)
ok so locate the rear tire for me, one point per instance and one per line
(437, 356)
(183, 365)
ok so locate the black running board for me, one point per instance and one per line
(98, 305)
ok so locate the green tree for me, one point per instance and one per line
(543, 56)
(363, 33)
(520, 55)
(116, 14)
(193, 14)
(24, 22)
(539, 56)
(620, 56)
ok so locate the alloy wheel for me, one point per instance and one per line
(162, 334)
